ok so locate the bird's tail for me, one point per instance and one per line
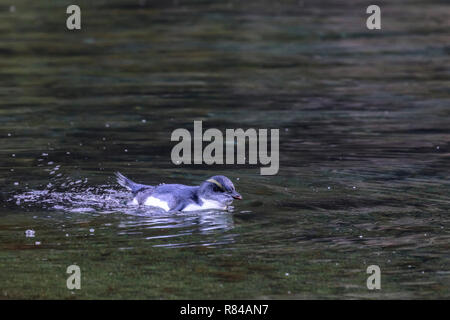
(130, 185)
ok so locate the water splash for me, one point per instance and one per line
(100, 199)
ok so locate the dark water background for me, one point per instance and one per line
(364, 119)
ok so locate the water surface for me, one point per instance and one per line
(364, 124)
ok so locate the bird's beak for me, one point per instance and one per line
(236, 195)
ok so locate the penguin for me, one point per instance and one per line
(217, 192)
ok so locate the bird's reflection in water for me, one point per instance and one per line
(183, 229)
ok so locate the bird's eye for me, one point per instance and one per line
(217, 189)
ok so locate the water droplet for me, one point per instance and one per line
(30, 233)
(89, 40)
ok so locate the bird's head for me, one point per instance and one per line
(219, 188)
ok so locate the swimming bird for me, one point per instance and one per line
(217, 192)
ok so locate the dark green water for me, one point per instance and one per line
(364, 122)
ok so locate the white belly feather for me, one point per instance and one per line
(155, 202)
(207, 204)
